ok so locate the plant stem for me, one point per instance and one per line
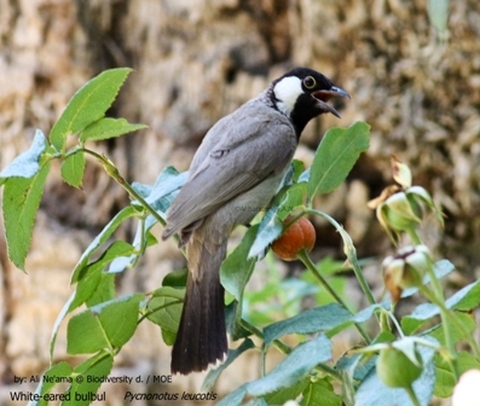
(449, 315)
(412, 396)
(113, 172)
(285, 349)
(350, 252)
(307, 261)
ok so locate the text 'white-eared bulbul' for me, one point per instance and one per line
(234, 174)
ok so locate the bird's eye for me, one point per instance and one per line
(309, 82)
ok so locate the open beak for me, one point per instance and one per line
(322, 96)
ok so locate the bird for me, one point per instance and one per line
(234, 174)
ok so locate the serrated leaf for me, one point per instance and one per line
(320, 393)
(143, 238)
(58, 321)
(165, 188)
(88, 105)
(85, 334)
(269, 230)
(236, 270)
(116, 249)
(27, 164)
(119, 318)
(165, 309)
(100, 239)
(322, 318)
(271, 225)
(294, 367)
(49, 380)
(466, 298)
(98, 366)
(107, 128)
(446, 380)
(73, 168)
(335, 157)
(283, 395)
(108, 325)
(21, 199)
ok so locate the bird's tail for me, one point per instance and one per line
(201, 338)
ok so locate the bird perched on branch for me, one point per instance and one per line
(234, 174)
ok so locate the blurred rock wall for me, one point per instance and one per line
(194, 62)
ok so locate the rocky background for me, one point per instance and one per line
(194, 62)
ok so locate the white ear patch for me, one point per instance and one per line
(286, 92)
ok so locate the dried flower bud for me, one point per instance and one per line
(401, 173)
(401, 208)
(406, 269)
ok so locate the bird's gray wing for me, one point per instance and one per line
(238, 153)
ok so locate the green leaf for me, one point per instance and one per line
(143, 239)
(365, 314)
(235, 398)
(269, 230)
(465, 299)
(83, 385)
(176, 279)
(73, 168)
(164, 190)
(320, 393)
(446, 380)
(283, 395)
(107, 128)
(165, 309)
(27, 164)
(335, 157)
(456, 335)
(271, 225)
(85, 334)
(236, 270)
(294, 367)
(88, 105)
(49, 380)
(100, 239)
(441, 268)
(108, 325)
(119, 318)
(235, 273)
(116, 249)
(311, 321)
(373, 392)
(21, 199)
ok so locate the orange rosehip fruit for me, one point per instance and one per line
(297, 237)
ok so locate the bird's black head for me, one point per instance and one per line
(302, 94)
